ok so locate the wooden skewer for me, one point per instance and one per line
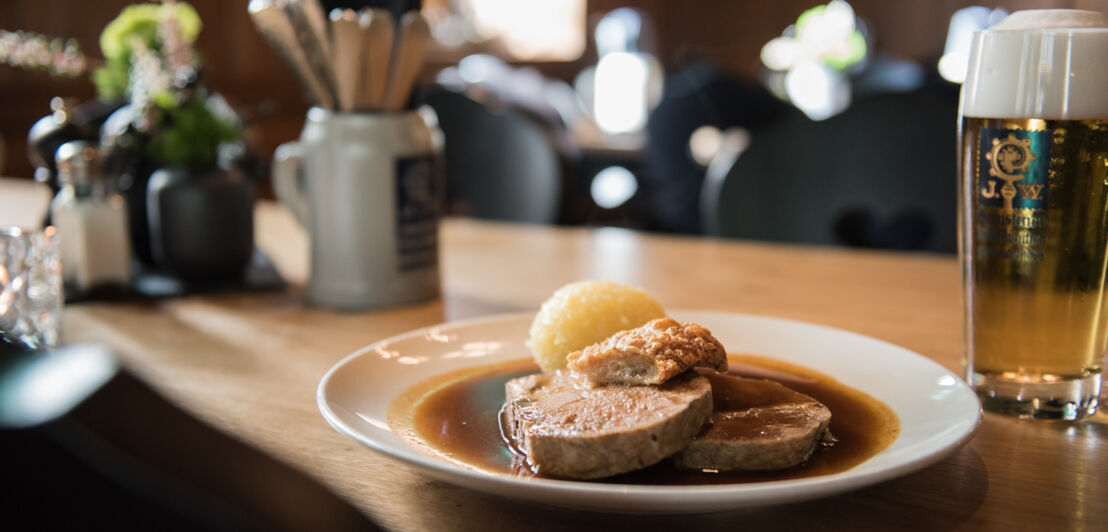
(378, 30)
(317, 19)
(347, 57)
(415, 37)
(318, 61)
(273, 23)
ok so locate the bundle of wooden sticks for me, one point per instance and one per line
(347, 60)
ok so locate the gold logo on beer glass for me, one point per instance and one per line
(1010, 158)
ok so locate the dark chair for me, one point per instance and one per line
(697, 95)
(500, 164)
(880, 175)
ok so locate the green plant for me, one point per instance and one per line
(148, 58)
(138, 24)
(190, 135)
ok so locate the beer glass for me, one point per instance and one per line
(1034, 212)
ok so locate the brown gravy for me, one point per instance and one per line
(456, 416)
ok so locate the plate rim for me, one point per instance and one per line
(754, 494)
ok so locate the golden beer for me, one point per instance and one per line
(1033, 212)
(1037, 242)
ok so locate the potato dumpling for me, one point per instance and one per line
(583, 313)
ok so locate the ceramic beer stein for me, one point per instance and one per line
(367, 189)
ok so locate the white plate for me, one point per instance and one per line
(938, 411)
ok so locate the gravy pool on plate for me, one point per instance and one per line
(455, 416)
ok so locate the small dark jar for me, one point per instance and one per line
(201, 223)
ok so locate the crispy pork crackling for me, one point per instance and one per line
(651, 354)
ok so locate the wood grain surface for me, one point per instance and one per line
(249, 364)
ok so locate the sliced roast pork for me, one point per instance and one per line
(567, 428)
(757, 425)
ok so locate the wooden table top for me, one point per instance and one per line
(250, 363)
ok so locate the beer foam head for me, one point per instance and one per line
(1041, 19)
(1041, 63)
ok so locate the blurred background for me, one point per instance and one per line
(794, 120)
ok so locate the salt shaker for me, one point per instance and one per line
(91, 222)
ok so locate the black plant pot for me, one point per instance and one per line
(201, 223)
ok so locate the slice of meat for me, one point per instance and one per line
(757, 425)
(651, 354)
(568, 429)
